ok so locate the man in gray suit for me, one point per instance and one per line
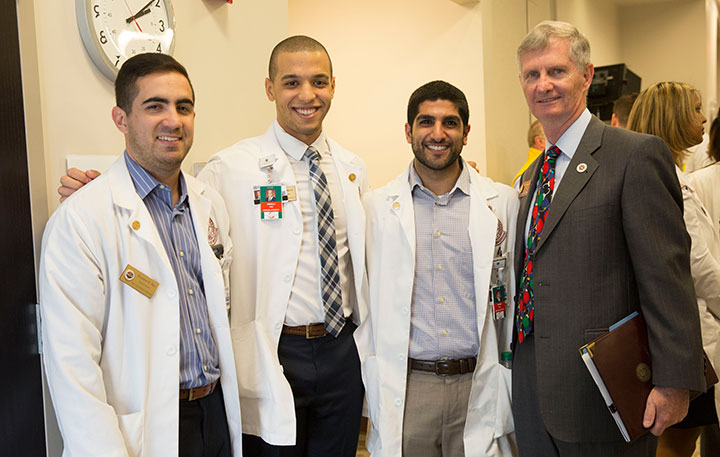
(602, 235)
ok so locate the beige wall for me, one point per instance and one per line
(224, 47)
(382, 51)
(598, 21)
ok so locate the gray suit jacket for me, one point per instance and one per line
(614, 242)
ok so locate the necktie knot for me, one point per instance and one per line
(553, 153)
(312, 154)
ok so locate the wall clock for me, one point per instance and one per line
(115, 30)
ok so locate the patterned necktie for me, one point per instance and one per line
(327, 246)
(546, 184)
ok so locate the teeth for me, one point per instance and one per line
(167, 138)
(305, 111)
(436, 147)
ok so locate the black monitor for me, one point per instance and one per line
(608, 84)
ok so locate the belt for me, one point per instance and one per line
(309, 331)
(197, 392)
(445, 367)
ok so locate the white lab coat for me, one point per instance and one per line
(112, 354)
(383, 340)
(704, 264)
(266, 254)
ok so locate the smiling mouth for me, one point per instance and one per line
(168, 138)
(306, 112)
(548, 100)
(437, 147)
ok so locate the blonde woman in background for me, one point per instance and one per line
(673, 112)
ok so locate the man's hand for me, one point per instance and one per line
(665, 406)
(74, 180)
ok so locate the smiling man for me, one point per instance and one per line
(298, 287)
(440, 280)
(601, 235)
(138, 352)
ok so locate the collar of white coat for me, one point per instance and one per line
(296, 148)
(123, 190)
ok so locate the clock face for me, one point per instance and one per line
(115, 30)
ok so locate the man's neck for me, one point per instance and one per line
(439, 182)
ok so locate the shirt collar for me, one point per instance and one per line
(570, 139)
(145, 183)
(296, 148)
(462, 184)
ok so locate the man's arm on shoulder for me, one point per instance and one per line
(72, 303)
(74, 180)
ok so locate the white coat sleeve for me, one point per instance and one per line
(703, 266)
(72, 304)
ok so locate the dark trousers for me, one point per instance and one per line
(324, 374)
(534, 440)
(204, 428)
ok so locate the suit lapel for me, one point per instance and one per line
(574, 179)
(530, 175)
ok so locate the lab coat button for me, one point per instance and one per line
(297, 231)
(401, 356)
(278, 325)
(172, 293)
(405, 310)
(287, 277)
(171, 350)
(398, 402)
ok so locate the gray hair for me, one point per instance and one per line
(539, 37)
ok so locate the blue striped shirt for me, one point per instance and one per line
(198, 353)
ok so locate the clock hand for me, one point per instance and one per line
(141, 12)
(132, 17)
(138, 15)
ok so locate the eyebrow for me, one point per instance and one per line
(182, 101)
(451, 117)
(319, 75)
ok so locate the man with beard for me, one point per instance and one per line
(440, 274)
(137, 348)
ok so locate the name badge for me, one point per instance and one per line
(524, 188)
(499, 300)
(139, 281)
(271, 198)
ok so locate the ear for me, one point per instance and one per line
(465, 135)
(119, 117)
(332, 87)
(269, 90)
(408, 133)
(588, 75)
(614, 120)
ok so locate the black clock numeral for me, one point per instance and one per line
(162, 25)
(117, 61)
(103, 38)
(157, 4)
(96, 9)
(159, 48)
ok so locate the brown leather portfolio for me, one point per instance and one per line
(621, 358)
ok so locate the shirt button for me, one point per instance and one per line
(437, 234)
(161, 186)
(444, 332)
(442, 300)
(182, 254)
(439, 267)
(198, 331)
(190, 291)
(204, 367)
(171, 350)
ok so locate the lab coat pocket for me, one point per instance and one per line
(253, 361)
(503, 413)
(132, 428)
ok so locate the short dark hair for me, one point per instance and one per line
(142, 65)
(623, 105)
(438, 90)
(714, 146)
(297, 43)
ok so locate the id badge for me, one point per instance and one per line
(271, 198)
(499, 301)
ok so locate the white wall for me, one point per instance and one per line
(382, 51)
(598, 21)
(224, 47)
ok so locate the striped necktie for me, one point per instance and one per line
(327, 246)
(546, 184)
